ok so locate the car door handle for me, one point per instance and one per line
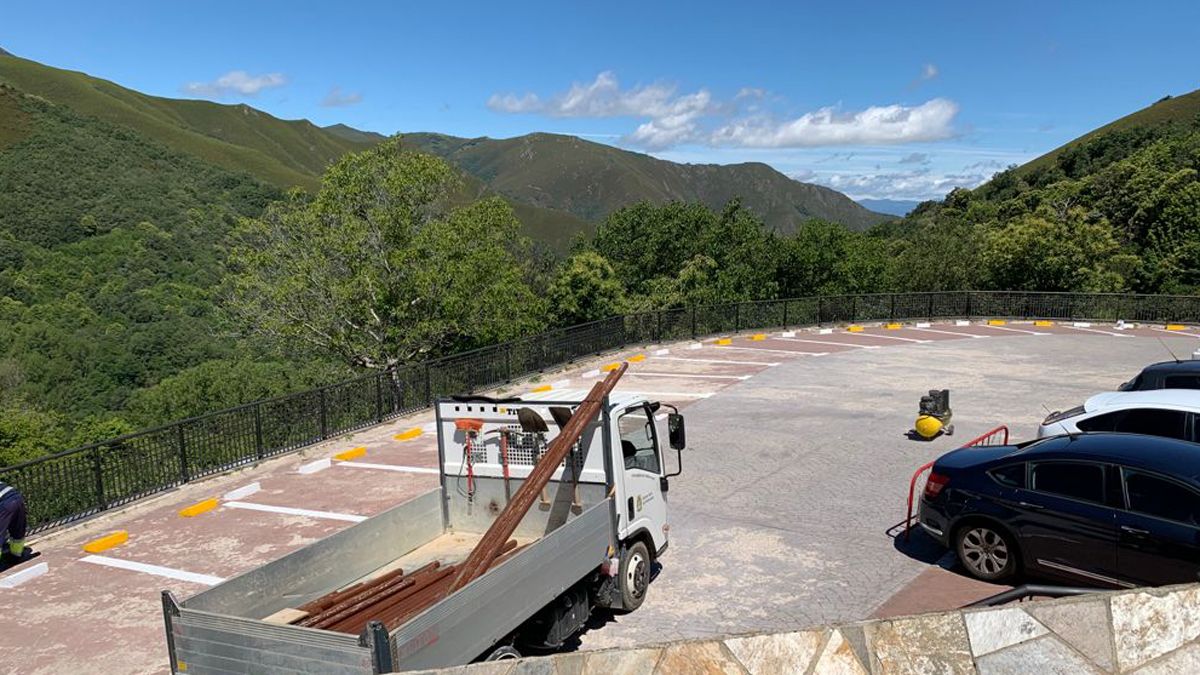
(1027, 505)
(1134, 530)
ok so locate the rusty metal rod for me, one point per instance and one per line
(329, 599)
(366, 608)
(488, 548)
(420, 596)
(363, 597)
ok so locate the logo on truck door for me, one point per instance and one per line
(642, 500)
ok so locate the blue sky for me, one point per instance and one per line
(884, 100)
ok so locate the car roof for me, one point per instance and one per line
(1175, 399)
(1153, 453)
(1182, 366)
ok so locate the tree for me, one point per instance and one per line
(379, 268)
(1038, 252)
(585, 288)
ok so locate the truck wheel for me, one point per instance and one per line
(503, 653)
(634, 576)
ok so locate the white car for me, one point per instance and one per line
(1159, 412)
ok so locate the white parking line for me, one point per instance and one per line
(828, 342)
(1014, 330)
(156, 570)
(289, 511)
(1093, 330)
(637, 373)
(726, 361)
(949, 332)
(888, 337)
(388, 467)
(17, 578)
(768, 350)
(661, 352)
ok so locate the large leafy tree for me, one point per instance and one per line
(380, 267)
(585, 288)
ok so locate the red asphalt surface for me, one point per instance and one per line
(85, 617)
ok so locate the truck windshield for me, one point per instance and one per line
(637, 440)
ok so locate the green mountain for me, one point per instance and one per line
(1169, 109)
(591, 180)
(235, 137)
(1114, 210)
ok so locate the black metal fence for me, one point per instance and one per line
(77, 483)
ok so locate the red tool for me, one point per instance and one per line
(470, 428)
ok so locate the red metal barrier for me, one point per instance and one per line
(997, 436)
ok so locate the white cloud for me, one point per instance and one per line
(915, 158)
(877, 125)
(919, 184)
(236, 82)
(673, 118)
(336, 99)
(928, 72)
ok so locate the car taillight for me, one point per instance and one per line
(933, 486)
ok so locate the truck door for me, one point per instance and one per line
(645, 504)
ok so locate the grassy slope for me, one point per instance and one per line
(1174, 109)
(235, 137)
(591, 180)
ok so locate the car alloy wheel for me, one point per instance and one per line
(985, 552)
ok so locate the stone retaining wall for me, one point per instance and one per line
(1142, 631)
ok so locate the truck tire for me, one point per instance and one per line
(634, 576)
(503, 653)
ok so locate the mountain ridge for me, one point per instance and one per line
(590, 180)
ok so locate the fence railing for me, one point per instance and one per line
(77, 483)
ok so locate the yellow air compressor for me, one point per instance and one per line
(933, 415)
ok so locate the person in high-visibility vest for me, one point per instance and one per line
(12, 522)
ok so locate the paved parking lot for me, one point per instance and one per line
(797, 468)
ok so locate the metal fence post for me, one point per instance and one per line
(658, 325)
(785, 316)
(379, 396)
(324, 416)
(892, 312)
(693, 322)
(968, 312)
(428, 386)
(259, 450)
(929, 298)
(820, 309)
(853, 307)
(737, 317)
(508, 363)
(98, 471)
(184, 474)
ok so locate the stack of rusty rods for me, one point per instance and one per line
(391, 599)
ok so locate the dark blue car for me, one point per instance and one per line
(1106, 509)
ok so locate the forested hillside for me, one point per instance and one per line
(110, 250)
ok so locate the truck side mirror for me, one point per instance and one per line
(676, 431)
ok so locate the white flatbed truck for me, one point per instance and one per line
(590, 542)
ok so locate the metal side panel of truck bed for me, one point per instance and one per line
(468, 622)
(220, 630)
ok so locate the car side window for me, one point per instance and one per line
(1160, 498)
(1149, 421)
(1012, 475)
(1181, 382)
(1076, 480)
(1105, 422)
